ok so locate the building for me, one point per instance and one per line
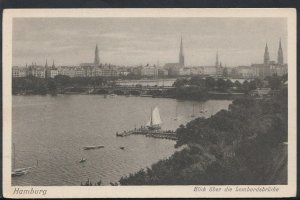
(185, 71)
(67, 71)
(149, 71)
(109, 71)
(246, 71)
(196, 70)
(19, 72)
(269, 68)
(174, 68)
(210, 70)
(79, 72)
(52, 71)
(162, 72)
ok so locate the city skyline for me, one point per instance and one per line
(135, 41)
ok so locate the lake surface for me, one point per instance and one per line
(53, 131)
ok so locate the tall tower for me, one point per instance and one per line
(53, 65)
(266, 55)
(97, 59)
(217, 59)
(280, 54)
(46, 65)
(181, 56)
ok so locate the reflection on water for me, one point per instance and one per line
(53, 131)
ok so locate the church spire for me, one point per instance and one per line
(53, 65)
(97, 60)
(46, 65)
(217, 59)
(280, 54)
(266, 55)
(181, 56)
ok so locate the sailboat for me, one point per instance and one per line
(20, 171)
(201, 110)
(152, 128)
(155, 121)
(175, 119)
(193, 115)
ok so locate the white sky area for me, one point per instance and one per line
(134, 41)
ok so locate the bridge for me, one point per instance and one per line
(120, 90)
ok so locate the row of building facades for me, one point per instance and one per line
(97, 69)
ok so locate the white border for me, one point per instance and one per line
(147, 191)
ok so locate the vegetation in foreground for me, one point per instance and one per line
(244, 145)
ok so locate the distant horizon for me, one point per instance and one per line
(142, 41)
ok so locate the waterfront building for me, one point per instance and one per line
(79, 72)
(162, 72)
(67, 71)
(186, 71)
(196, 70)
(149, 71)
(109, 71)
(246, 71)
(51, 72)
(36, 71)
(210, 70)
(19, 71)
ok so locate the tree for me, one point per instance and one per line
(62, 80)
(221, 84)
(210, 82)
(225, 72)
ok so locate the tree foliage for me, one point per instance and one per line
(242, 145)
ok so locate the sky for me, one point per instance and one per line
(135, 41)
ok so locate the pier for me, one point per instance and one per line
(171, 135)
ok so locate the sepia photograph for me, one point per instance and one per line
(141, 98)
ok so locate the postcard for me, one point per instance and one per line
(118, 103)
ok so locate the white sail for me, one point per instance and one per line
(155, 118)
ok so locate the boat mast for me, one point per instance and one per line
(151, 117)
(193, 109)
(14, 164)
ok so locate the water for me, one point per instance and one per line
(53, 131)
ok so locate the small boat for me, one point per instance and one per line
(202, 110)
(19, 172)
(113, 95)
(122, 148)
(82, 160)
(93, 147)
(145, 95)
